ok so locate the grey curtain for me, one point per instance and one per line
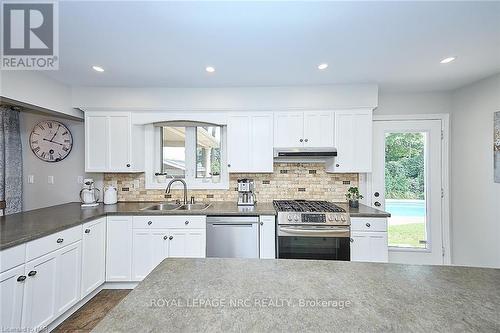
(11, 161)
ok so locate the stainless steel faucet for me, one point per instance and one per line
(167, 190)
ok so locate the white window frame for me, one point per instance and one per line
(152, 162)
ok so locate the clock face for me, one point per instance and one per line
(51, 141)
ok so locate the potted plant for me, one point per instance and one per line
(353, 197)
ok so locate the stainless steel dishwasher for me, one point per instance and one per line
(233, 236)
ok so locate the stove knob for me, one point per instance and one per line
(289, 217)
(342, 218)
(296, 217)
(336, 218)
(330, 218)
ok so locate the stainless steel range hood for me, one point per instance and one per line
(305, 153)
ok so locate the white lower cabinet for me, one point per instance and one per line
(119, 248)
(152, 241)
(267, 237)
(93, 255)
(12, 291)
(52, 285)
(369, 240)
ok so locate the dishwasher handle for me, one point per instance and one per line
(231, 224)
(232, 220)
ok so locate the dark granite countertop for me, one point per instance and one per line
(22, 227)
(241, 295)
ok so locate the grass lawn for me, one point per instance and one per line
(407, 235)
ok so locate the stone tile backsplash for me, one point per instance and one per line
(289, 181)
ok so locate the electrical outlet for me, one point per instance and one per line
(50, 179)
(31, 179)
(79, 179)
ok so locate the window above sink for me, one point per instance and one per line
(192, 151)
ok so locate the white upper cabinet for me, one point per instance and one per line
(250, 142)
(318, 129)
(288, 129)
(112, 143)
(353, 140)
(303, 129)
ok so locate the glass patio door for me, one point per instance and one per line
(407, 183)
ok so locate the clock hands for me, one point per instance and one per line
(55, 133)
(53, 142)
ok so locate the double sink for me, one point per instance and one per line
(174, 206)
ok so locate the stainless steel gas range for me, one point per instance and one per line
(312, 230)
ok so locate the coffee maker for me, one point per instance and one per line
(246, 197)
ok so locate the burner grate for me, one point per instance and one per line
(306, 206)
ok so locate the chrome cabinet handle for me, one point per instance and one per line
(165, 237)
(352, 240)
(21, 278)
(301, 140)
(261, 223)
(60, 240)
(171, 237)
(87, 231)
(32, 273)
(306, 140)
(368, 225)
(229, 165)
(128, 165)
(378, 204)
(186, 223)
(337, 165)
(150, 222)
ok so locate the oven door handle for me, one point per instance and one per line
(341, 232)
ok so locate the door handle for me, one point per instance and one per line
(32, 273)
(165, 237)
(378, 204)
(376, 194)
(60, 240)
(21, 278)
(171, 237)
(150, 222)
(87, 231)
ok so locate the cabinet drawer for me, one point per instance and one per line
(39, 247)
(177, 221)
(368, 224)
(12, 257)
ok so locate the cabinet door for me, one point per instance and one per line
(318, 129)
(149, 249)
(267, 237)
(69, 276)
(353, 140)
(142, 249)
(96, 143)
(39, 304)
(119, 148)
(360, 246)
(378, 247)
(93, 255)
(195, 246)
(288, 129)
(119, 248)
(261, 152)
(12, 291)
(177, 243)
(238, 143)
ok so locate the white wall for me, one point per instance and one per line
(475, 198)
(38, 91)
(413, 103)
(224, 99)
(65, 187)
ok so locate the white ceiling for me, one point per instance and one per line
(395, 44)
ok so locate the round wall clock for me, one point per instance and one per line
(51, 141)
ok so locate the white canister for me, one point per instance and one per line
(110, 195)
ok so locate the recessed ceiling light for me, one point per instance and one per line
(98, 68)
(210, 69)
(322, 66)
(447, 60)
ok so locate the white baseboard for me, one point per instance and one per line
(74, 308)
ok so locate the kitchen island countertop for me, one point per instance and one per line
(213, 295)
